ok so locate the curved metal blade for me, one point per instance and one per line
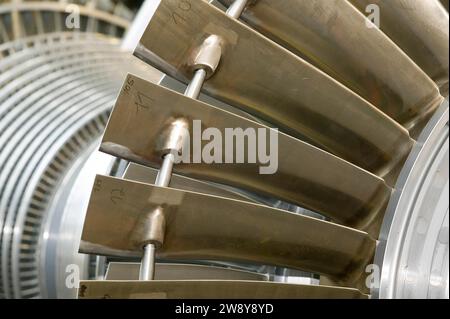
(200, 226)
(165, 271)
(305, 175)
(209, 289)
(145, 174)
(420, 28)
(334, 36)
(270, 82)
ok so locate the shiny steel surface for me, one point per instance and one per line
(354, 99)
(270, 82)
(165, 271)
(332, 35)
(144, 174)
(40, 137)
(55, 94)
(420, 29)
(322, 183)
(414, 240)
(233, 230)
(147, 266)
(195, 86)
(205, 289)
(236, 8)
(56, 91)
(147, 270)
(63, 223)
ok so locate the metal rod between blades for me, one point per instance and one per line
(165, 173)
(235, 10)
(195, 86)
(147, 270)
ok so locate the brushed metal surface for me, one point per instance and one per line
(412, 251)
(420, 29)
(145, 174)
(206, 289)
(272, 83)
(166, 271)
(306, 175)
(200, 226)
(333, 35)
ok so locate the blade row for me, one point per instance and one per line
(200, 226)
(305, 175)
(335, 37)
(268, 81)
(344, 91)
(420, 29)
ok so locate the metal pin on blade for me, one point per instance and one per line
(147, 269)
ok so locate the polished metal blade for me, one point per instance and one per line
(270, 82)
(305, 175)
(421, 29)
(200, 226)
(337, 38)
(209, 289)
(166, 271)
(145, 174)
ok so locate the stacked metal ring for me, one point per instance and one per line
(56, 90)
